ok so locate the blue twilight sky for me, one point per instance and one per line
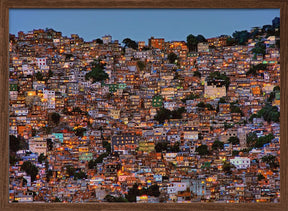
(140, 24)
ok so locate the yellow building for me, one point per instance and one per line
(146, 146)
(214, 90)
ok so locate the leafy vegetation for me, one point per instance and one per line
(97, 73)
(260, 177)
(271, 160)
(259, 49)
(217, 145)
(235, 109)
(110, 198)
(192, 41)
(140, 65)
(233, 140)
(16, 143)
(130, 43)
(136, 190)
(164, 146)
(241, 37)
(197, 74)
(202, 150)
(55, 117)
(269, 113)
(30, 169)
(172, 57)
(80, 131)
(92, 163)
(164, 114)
(216, 75)
(76, 173)
(192, 96)
(227, 167)
(272, 95)
(254, 141)
(203, 105)
(255, 68)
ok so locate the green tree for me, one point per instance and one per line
(227, 167)
(80, 175)
(153, 190)
(161, 146)
(132, 193)
(233, 140)
(50, 73)
(107, 146)
(97, 74)
(192, 42)
(80, 131)
(192, 96)
(197, 74)
(203, 105)
(55, 117)
(259, 49)
(217, 76)
(175, 147)
(241, 37)
(276, 88)
(140, 65)
(57, 200)
(235, 153)
(172, 57)
(230, 41)
(162, 114)
(269, 113)
(49, 144)
(16, 143)
(255, 68)
(99, 41)
(260, 177)
(110, 198)
(13, 159)
(70, 170)
(177, 114)
(200, 38)
(49, 175)
(41, 158)
(252, 117)
(100, 158)
(235, 109)
(202, 150)
(30, 169)
(261, 141)
(39, 76)
(130, 43)
(271, 160)
(217, 145)
(251, 139)
(24, 181)
(276, 22)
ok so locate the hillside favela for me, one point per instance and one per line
(145, 121)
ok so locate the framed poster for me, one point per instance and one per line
(179, 121)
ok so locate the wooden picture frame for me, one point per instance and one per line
(5, 5)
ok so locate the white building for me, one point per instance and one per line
(107, 39)
(170, 105)
(175, 187)
(241, 162)
(49, 96)
(40, 62)
(214, 90)
(38, 145)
